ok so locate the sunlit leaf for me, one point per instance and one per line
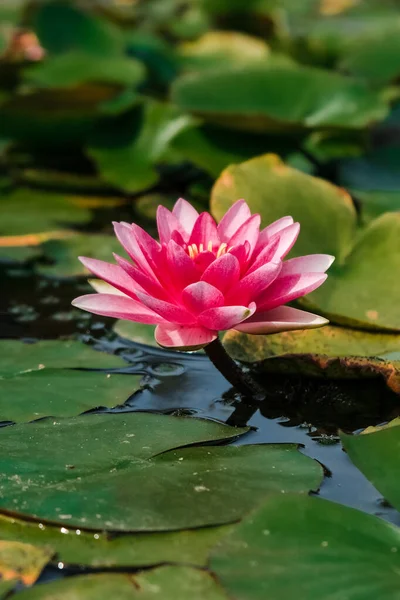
(19, 561)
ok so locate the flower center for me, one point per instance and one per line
(194, 250)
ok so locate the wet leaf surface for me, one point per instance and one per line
(62, 393)
(169, 583)
(377, 456)
(18, 357)
(24, 562)
(260, 98)
(303, 547)
(200, 486)
(100, 550)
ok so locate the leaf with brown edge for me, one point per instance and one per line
(22, 562)
(332, 351)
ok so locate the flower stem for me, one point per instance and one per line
(252, 392)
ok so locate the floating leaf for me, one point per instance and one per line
(309, 548)
(377, 457)
(325, 212)
(259, 98)
(79, 547)
(119, 472)
(127, 150)
(374, 429)
(136, 332)
(64, 253)
(171, 583)
(331, 351)
(62, 393)
(26, 211)
(23, 562)
(17, 357)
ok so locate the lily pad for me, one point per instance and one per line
(62, 393)
(119, 473)
(126, 150)
(309, 548)
(79, 547)
(259, 98)
(64, 253)
(136, 332)
(26, 211)
(172, 583)
(271, 188)
(331, 351)
(377, 457)
(17, 357)
(22, 562)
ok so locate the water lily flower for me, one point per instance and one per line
(201, 278)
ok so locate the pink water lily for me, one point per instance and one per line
(202, 278)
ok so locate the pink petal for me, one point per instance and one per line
(312, 263)
(279, 319)
(226, 317)
(112, 274)
(248, 231)
(166, 224)
(254, 283)
(287, 238)
(264, 255)
(144, 283)
(181, 270)
(186, 215)
(170, 312)
(242, 253)
(119, 307)
(101, 287)
(287, 288)
(238, 214)
(202, 261)
(268, 232)
(205, 231)
(148, 245)
(184, 338)
(127, 238)
(223, 273)
(200, 296)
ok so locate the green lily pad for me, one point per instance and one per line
(271, 188)
(259, 98)
(309, 548)
(62, 393)
(17, 357)
(362, 292)
(74, 68)
(172, 583)
(377, 456)
(22, 562)
(375, 428)
(62, 27)
(136, 332)
(5, 588)
(18, 254)
(331, 351)
(119, 473)
(79, 547)
(26, 211)
(126, 150)
(64, 253)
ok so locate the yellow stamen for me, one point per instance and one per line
(222, 249)
(201, 248)
(210, 246)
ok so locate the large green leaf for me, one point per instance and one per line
(169, 583)
(118, 473)
(260, 98)
(79, 547)
(19, 561)
(363, 291)
(29, 211)
(17, 357)
(377, 456)
(136, 332)
(127, 150)
(331, 351)
(62, 27)
(64, 253)
(62, 393)
(325, 212)
(308, 548)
